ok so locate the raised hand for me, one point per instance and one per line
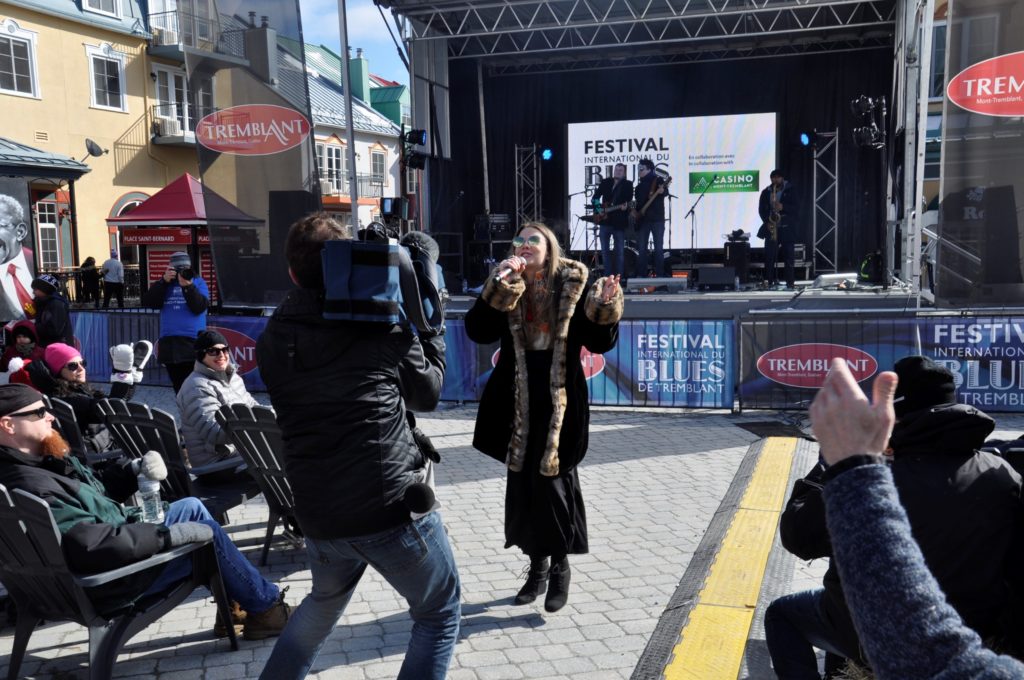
(610, 289)
(515, 263)
(844, 421)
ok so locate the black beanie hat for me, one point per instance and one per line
(207, 339)
(16, 396)
(47, 283)
(923, 384)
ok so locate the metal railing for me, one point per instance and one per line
(188, 29)
(173, 120)
(72, 284)
(369, 186)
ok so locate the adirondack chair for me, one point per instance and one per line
(43, 587)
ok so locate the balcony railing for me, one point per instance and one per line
(369, 186)
(173, 120)
(179, 28)
(70, 279)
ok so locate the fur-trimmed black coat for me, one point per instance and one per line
(503, 420)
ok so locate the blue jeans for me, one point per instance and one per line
(416, 560)
(242, 580)
(618, 265)
(647, 229)
(793, 626)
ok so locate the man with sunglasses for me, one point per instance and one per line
(98, 533)
(214, 382)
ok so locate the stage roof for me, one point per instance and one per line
(521, 36)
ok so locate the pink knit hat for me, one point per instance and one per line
(58, 355)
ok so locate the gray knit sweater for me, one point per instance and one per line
(905, 625)
(199, 399)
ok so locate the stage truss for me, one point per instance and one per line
(528, 185)
(826, 202)
(518, 36)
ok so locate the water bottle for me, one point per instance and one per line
(149, 500)
(736, 284)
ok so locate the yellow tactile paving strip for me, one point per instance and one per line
(711, 644)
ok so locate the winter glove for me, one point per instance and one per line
(13, 366)
(151, 465)
(121, 357)
(142, 350)
(188, 532)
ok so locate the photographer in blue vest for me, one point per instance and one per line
(182, 298)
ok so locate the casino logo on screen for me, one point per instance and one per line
(994, 87)
(725, 181)
(807, 365)
(243, 348)
(252, 130)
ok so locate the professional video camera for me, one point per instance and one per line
(377, 278)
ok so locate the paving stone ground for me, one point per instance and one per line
(652, 481)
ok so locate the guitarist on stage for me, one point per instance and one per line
(650, 192)
(614, 194)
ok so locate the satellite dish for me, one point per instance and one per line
(93, 148)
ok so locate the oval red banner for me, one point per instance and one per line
(593, 364)
(807, 365)
(994, 87)
(252, 130)
(243, 348)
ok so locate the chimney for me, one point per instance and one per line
(359, 75)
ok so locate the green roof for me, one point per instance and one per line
(387, 95)
(16, 157)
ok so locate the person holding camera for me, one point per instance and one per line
(182, 298)
(342, 390)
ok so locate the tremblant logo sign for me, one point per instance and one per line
(725, 181)
(252, 130)
(994, 87)
(807, 365)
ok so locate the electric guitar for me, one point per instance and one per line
(599, 217)
(661, 188)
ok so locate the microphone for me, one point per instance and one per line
(419, 498)
(503, 273)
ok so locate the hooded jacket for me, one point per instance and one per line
(53, 321)
(12, 350)
(97, 532)
(201, 396)
(964, 506)
(340, 390)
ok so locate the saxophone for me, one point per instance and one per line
(775, 217)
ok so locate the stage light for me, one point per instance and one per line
(808, 138)
(546, 154)
(415, 160)
(869, 135)
(862, 105)
(416, 137)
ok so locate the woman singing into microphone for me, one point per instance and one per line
(534, 414)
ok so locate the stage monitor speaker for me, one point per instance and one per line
(716, 278)
(737, 256)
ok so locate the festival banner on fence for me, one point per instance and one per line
(784, 361)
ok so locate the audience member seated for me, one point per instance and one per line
(98, 533)
(24, 345)
(214, 382)
(964, 507)
(62, 375)
(907, 629)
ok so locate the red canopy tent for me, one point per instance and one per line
(174, 219)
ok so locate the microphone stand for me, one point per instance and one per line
(692, 214)
(586, 237)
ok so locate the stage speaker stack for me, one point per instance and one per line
(737, 256)
(716, 278)
(493, 227)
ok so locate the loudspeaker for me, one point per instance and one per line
(737, 256)
(716, 278)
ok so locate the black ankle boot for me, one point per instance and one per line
(536, 582)
(558, 592)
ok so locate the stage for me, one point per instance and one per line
(733, 304)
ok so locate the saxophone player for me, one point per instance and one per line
(780, 212)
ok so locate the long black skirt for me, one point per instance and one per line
(544, 516)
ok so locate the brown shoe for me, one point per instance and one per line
(238, 617)
(261, 625)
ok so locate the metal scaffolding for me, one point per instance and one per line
(564, 30)
(528, 187)
(826, 203)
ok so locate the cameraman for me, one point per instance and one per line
(182, 298)
(341, 390)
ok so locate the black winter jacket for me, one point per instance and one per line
(340, 391)
(789, 223)
(964, 507)
(53, 321)
(97, 532)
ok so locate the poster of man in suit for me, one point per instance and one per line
(17, 264)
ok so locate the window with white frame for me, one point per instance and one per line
(172, 96)
(331, 162)
(108, 7)
(378, 166)
(412, 181)
(18, 71)
(106, 75)
(937, 86)
(47, 229)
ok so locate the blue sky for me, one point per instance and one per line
(366, 29)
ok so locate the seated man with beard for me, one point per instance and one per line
(99, 534)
